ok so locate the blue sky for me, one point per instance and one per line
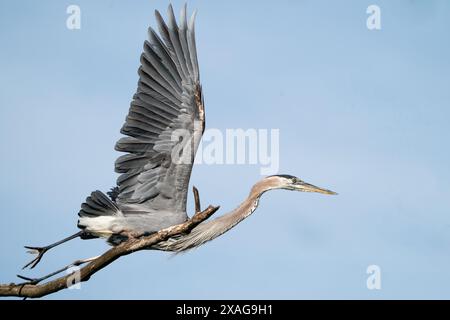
(364, 113)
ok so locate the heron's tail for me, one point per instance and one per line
(98, 204)
(98, 215)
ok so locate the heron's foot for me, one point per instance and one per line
(39, 252)
(31, 281)
(34, 281)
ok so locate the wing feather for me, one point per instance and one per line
(168, 101)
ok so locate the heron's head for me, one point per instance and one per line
(288, 182)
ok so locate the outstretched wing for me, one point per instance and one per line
(165, 122)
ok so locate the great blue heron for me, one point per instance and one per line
(152, 189)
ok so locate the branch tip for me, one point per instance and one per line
(196, 199)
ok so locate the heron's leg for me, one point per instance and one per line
(73, 264)
(40, 251)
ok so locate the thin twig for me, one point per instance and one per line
(197, 200)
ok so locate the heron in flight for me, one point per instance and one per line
(152, 188)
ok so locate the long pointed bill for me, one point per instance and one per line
(306, 187)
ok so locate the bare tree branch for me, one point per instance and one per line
(28, 290)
